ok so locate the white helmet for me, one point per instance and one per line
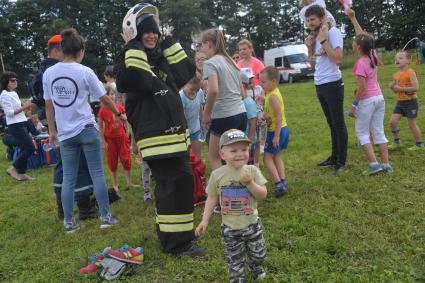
(134, 16)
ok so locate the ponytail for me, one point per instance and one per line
(367, 44)
(216, 36)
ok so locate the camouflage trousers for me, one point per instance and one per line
(244, 247)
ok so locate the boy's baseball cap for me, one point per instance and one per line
(247, 72)
(233, 136)
(244, 78)
(54, 39)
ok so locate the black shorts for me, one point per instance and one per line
(407, 108)
(220, 125)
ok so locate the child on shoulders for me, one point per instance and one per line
(405, 86)
(237, 186)
(277, 129)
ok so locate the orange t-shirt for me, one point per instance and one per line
(113, 126)
(256, 66)
(403, 80)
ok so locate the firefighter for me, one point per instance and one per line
(151, 71)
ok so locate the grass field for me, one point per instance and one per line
(344, 228)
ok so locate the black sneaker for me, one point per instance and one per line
(339, 168)
(73, 226)
(194, 251)
(327, 163)
(108, 220)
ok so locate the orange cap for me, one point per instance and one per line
(55, 39)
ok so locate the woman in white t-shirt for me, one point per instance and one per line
(16, 124)
(67, 86)
(224, 109)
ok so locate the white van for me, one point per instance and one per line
(291, 60)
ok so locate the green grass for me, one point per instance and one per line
(345, 228)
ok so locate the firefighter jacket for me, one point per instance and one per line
(151, 79)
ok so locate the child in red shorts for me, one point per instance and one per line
(115, 141)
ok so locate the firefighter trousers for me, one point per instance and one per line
(174, 203)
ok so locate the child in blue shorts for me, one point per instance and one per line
(192, 100)
(277, 129)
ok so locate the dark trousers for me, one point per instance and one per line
(331, 98)
(174, 202)
(20, 132)
(84, 188)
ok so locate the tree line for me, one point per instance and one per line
(26, 25)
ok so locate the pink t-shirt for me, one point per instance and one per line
(256, 66)
(362, 68)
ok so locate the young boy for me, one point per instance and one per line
(277, 129)
(238, 187)
(115, 140)
(192, 99)
(405, 86)
(257, 93)
(251, 112)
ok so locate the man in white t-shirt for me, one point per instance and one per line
(325, 53)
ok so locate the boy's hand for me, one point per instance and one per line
(323, 33)
(202, 227)
(391, 86)
(396, 88)
(246, 178)
(275, 141)
(309, 41)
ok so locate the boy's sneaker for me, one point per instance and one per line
(108, 221)
(217, 209)
(71, 227)
(281, 189)
(128, 254)
(147, 197)
(387, 169)
(327, 163)
(373, 169)
(260, 276)
(394, 146)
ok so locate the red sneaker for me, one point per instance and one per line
(130, 255)
(93, 265)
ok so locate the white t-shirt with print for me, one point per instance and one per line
(69, 85)
(326, 70)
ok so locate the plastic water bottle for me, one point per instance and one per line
(49, 146)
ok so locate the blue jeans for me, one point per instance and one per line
(20, 132)
(88, 141)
